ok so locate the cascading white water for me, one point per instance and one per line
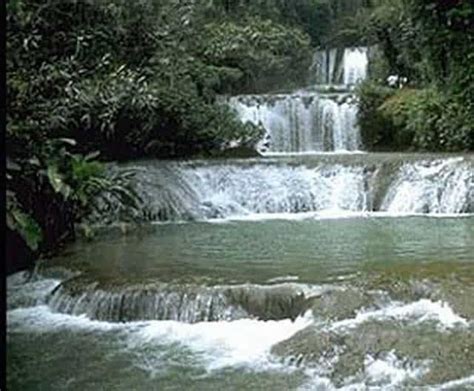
(325, 66)
(440, 186)
(307, 121)
(230, 190)
(355, 65)
(303, 122)
(273, 189)
(346, 66)
(206, 191)
(340, 122)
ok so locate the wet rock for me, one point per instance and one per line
(270, 302)
(340, 304)
(443, 356)
(239, 152)
(330, 353)
(121, 301)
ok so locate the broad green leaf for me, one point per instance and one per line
(57, 181)
(26, 226)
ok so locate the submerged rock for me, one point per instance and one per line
(269, 302)
(440, 356)
(337, 304)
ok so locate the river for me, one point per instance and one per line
(314, 267)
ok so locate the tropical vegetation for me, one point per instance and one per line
(431, 44)
(91, 81)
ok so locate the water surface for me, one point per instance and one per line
(381, 303)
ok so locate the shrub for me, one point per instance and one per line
(262, 50)
(51, 190)
(430, 120)
(376, 129)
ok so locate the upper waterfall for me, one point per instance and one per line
(303, 121)
(317, 119)
(346, 66)
(355, 65)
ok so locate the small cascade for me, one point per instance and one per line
(231, 190)
(183, 303)
(179, 302)
(202, 191)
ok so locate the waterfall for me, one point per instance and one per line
(340, 122)
(302, 122)
(346, 66)
(325, 66)
(322, 118)
(201, 191)
(355, 65)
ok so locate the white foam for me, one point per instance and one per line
(289, 278)
(331, 214)
(24, 292)
(223, 344)
(439, 186)
(387, 372)
(318, 383)
(454, 384)
(243, 342)
(390, 370)
(314, 153)
(246, 343)
(423, 310)
(41, 319)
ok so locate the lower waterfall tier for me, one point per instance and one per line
(396, 184)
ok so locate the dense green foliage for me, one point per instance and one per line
(260, 55)
(130, 79)
(323, 20)
(416, 119)
(49, 189)
(126, 79)
(431, 43)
